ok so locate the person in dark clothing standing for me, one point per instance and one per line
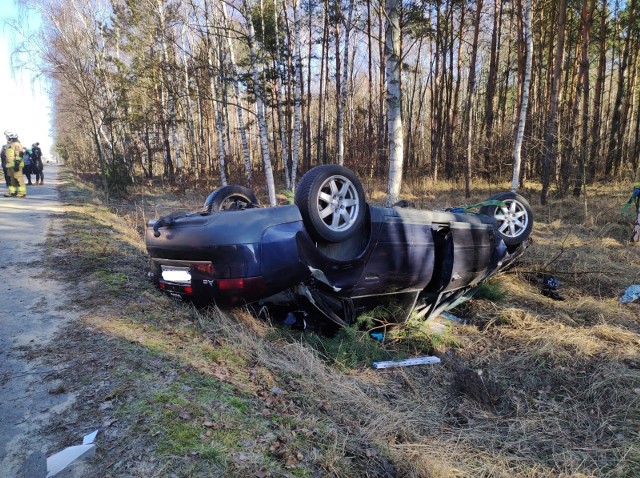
(36, 163)
(26, 169)
(3, 155)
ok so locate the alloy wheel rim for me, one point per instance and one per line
(512, 218)
(338, 203)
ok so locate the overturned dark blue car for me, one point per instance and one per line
(331, 255)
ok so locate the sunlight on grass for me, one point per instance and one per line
(227, 367)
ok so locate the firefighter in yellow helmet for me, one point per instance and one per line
(14, 152)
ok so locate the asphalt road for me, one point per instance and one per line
(31, 311)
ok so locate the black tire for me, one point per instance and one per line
(331, 200)
(230, 198)
(514, 220)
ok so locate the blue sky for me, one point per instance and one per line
(25, 104)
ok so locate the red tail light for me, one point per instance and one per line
(185, 289)
(204, 268)
(248, 286)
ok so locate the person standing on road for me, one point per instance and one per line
(14, 152)
(27, 168)
(36, 163)
(3, 156)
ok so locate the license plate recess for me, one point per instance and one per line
(177, 275)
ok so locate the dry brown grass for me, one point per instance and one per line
(566, 372)
(535, 388)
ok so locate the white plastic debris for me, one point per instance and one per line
(631, 294)
(63, 459)
(90, 438)
(453, 318)
(407, 362)
(320, 276)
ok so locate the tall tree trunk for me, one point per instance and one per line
(280, 96)
(628, 102)
(411, 124)
(492, 78)
(436, 100)
(147, 145)
(382, 131)
(596, 140)
(262, 121)
(587, 22)
(515, 179)
(337, 12)
(370, 113)
(344, 86)
(201, 121)
(636, 146)
(469, 101)
(550, 144)
(168, 160)
(449, 103)
(189, 112)
(297, 93)
(453, 128)
(568, 168)
(392, 51)
(101, 161)
(307, 105)
(173, 126)
(217, 114)
(614, 154)
(235, 80)
(320, 139)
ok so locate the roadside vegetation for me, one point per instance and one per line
(530, 386)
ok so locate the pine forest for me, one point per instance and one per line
(256, 92)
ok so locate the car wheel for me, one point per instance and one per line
(514, 219)
(230, 198)
(331, 200)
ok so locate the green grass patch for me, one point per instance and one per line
(379, 316)
(223, 353)
(418, 337)
(199, 416)
(114, 280)
(213, 425)
(491, 290)
(349, 348)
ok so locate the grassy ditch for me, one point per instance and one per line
(529, 387)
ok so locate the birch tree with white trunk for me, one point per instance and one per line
(260, 110)
(517, 153)
(394, 106)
